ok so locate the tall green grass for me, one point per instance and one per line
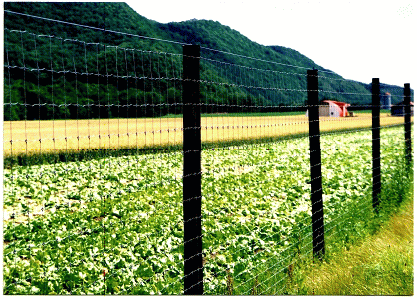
(372, 255)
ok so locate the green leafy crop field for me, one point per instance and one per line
(115, 225)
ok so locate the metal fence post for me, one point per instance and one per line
(192, 195)
(315, 161)
(377, 186)
(407, 105)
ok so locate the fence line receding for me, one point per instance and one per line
(136, 165)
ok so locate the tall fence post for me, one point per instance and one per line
(315, 161)
(377, 186)
(192, 195)
(407, 105)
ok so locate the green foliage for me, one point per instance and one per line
(122, 215)
(52, 68)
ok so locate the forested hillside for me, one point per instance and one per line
(56, 70)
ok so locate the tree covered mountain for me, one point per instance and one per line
(57, 69)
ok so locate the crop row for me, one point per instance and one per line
(115, 225)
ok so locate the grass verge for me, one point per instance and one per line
(382, 264)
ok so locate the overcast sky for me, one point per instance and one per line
(358, 39)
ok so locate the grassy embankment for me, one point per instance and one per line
(379, 264)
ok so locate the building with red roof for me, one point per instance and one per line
(331, 108)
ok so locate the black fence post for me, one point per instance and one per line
(377, 186)
(407, 105)
(315, 161)
(192, 195)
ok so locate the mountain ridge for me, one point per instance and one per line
(219, 43)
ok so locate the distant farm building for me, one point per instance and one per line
(399, 109)
(331, 108)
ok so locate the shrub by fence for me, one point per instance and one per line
(130, 170)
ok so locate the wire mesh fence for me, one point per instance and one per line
(89, 149)
(132, 170)
(247, 218)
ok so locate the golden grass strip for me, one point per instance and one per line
(33, 137)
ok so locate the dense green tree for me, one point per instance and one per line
(56, 70)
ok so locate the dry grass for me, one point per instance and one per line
(49, 136)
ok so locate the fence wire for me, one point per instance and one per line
(93, 137)
(93, 171)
